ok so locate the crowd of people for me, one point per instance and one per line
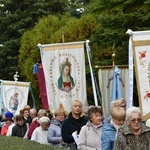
(80, 129)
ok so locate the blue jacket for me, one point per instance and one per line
(108, 135)
(54, 132)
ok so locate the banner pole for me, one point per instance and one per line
(33, 99)
(130, 84)
(91, 71)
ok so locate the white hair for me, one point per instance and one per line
(132, 110)
(33, 110)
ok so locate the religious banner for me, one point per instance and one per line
(106, 84)
(38, 69)
(141, 53)
(14, 95)
(64, 70)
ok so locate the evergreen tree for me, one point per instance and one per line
(114, 19)
(17, 16)
(77, 7)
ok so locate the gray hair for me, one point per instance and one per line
(42, 111)
(33, 110)
(132, 110)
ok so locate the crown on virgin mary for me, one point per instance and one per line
(66, 63)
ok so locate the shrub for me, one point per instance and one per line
(15, 143)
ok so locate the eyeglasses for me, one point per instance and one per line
(136, 120)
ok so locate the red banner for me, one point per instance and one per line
(42, 87)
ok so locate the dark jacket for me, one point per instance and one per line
(19, 131)
(28, 120)
(70, 125)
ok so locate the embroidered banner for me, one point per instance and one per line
(141, 53)
(14, 95)
(106, 77)
(64, 70)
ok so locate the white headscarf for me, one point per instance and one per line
(44, 119)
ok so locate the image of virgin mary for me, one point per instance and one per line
(65, 81)
(13, 103)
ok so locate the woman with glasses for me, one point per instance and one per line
(111, 126)
(133, 135)
(90, 134)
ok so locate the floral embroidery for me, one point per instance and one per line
(142, 58)
(147, 96)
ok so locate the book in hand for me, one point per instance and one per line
(75, 136)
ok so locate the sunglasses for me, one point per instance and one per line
(136, 120)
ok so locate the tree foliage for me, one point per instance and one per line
(16, 18)
(49, 30)
(103, 22)
(114, 18)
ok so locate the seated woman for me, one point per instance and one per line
(111, 126)
(21, 128)
(5, 126)
(54, 131)
(90, 134)
(34, 124)
(133, 134)
(40, 133)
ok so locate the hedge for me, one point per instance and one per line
(15, 143)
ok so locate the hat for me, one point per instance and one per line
(9, 115)
(44, 119)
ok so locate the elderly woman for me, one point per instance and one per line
(133, 135)
(34, 124)
(90, 134)
(111, 126)
(40, 133)
(54, 131)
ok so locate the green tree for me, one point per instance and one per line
(16, 18)
(77, 7)
(114, 18)
(49, 30)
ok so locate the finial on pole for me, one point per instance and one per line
(16, 76)
(63, 37)
(113, 59)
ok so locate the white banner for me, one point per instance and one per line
(14, 95)
(105, 76)
(64, 70)
(141, 51)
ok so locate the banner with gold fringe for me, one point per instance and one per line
(14, 95)
(64, 70)
(106, 79)
(141, 54)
